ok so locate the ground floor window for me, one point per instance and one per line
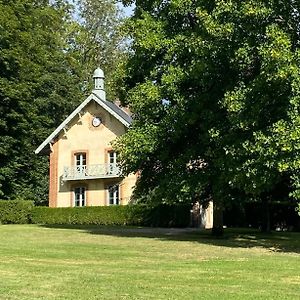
(113, 194)
(80, 196)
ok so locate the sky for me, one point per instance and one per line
(127, 10)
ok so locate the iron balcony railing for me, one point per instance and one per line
(91, 172)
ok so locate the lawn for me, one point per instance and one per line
(132, 263)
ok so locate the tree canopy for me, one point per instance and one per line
(96, 40)
(214, 89)
(46, 56)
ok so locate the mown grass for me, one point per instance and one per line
(83, 262)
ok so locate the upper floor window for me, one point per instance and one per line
(112, 157)
(80, 162)
(112, 163)
(80, 196)
(80, 159)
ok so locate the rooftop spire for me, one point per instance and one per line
(99, 83)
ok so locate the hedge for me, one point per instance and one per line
(143, 215)
(15, 211)
(163, 215)
(22, 212)
(100, 215)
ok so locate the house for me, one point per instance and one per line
(83, 165)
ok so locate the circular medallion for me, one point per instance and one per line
(96, 121)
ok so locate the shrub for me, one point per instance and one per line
(22, 212)
(101, 215)
(161, 215)
(15, 211)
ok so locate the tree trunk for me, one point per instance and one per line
(217, 229)
(266, 220)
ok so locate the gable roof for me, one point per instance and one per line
(110, 107)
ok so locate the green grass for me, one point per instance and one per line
(131, 263)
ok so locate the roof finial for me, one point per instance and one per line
(99, 83)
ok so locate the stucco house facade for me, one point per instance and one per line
(83, 165)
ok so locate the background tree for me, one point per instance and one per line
(214, 88)
(97, 39)
(48, 52)
(37, 82)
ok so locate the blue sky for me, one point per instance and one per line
(127, 10)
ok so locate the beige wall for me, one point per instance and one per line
(81, 136)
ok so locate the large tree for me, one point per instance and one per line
(38, 88)
(214, 88)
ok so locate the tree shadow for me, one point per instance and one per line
(233, 237)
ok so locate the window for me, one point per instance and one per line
(112, 162)
(79, 196)
(113, 195)
(112, 157)
(80, 161)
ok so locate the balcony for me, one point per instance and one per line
(91, 172)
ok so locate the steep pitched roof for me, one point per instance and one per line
(110, 107)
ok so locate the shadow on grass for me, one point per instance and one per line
(233, 237)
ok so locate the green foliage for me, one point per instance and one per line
(162, 216)
(298, 209)
(46, 60)
(97, 40)
(106, 215)
(38, 88)
(15, 211)
(177, 215)
(215, 91)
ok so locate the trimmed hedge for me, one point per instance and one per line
(143, 215)
(22, 212)
(15, 211)
(100, 215)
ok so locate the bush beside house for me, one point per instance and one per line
(143, 215)
(100, 215)
(22, 212)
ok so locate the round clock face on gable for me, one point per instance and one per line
(96, 121)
